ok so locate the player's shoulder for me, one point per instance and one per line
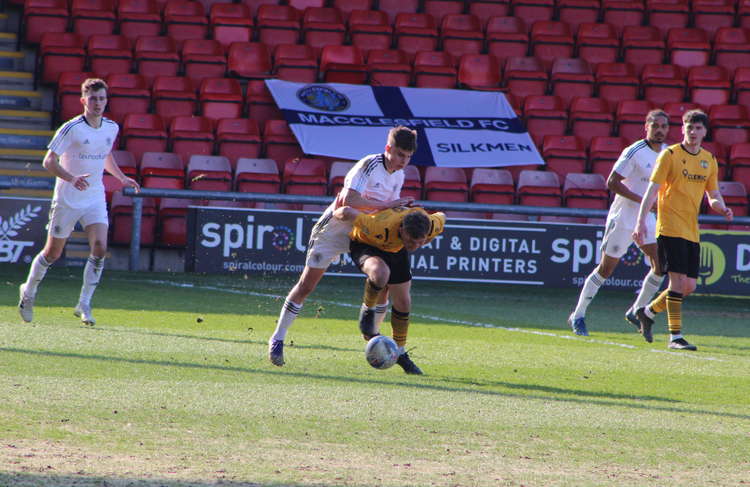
(106, 122)
(673, 148)
(70, 124)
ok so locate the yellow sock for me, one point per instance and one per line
(674, 312)
(372, 293)
(659, 304)
(400, 325)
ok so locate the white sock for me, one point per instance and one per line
(648, 312)
(38, 269)
(590, 288)
(651, 284)
(674, 337)
(287, 316)
(380, 312)
(92, 273)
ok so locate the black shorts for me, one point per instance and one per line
(397, 262)
(678, 255)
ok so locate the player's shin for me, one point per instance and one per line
(651, 284)
(288, 314)
(674, 313)
(37, 272)
(92, 274)
(400, 325)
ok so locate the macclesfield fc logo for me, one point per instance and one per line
(323, 98)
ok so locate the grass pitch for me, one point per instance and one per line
(173, 388)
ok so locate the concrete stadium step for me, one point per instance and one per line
(25, 119)
(29, 181)
(12, 60)
(24, 138)
(8, 41)
(4, 22)
(20, 100)
(15, 156)
(16, 80)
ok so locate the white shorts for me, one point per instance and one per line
(63, 219)
(328, 240)
(618, 236)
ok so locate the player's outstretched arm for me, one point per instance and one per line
(354, 199)
(111, 166)
(649, 197)
(346, 213)
(716, 202)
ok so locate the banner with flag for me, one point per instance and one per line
(458, 128)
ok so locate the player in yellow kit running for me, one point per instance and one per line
(380, 247)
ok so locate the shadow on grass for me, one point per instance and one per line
(583, 397)
(51, 480)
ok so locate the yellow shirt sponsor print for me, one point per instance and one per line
(380, 229)
(683, 178)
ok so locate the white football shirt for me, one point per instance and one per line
(635, 165)
(82, 149)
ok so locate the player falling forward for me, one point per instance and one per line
(628, 180)
(380, 247)
(374, 183)
(683, 173)
(78, 154)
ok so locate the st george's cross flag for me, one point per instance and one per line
(456, 128)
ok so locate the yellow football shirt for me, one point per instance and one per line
(683, 178)
(380, 229)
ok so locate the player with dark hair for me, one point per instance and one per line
(683, 173)
(374, 183)
(77, 156)
(628, 180)
(380, 247)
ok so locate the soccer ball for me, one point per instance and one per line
(381, 352)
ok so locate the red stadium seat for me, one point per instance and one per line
(93, 17)
(585, 191)
(720, 151)
(257, 176)
(412, 183)
(735, 197)
(230, 22)
(642, 45)
(68, 101)
(322, 27)
(539, 188)
(127, 93)
(545, 115)
(577, 12)
(676, 110)
(480, 72)
(729, 124)
(220, 98)
(551, 40)
(507, 37)
(306, 176)
(121, 215)
(126, 162)
(342, 64)
(109, 54)
(532, 11)
(461, 34)
(564, 154)
(709, 85)
(484, 10)
(346, 7)
(249, 60)
(415, 32)
(203, 58)
(445, 184)
(190, 136)
(143, 132)
(712, 15)
(209, 173)
(184, 19)
(237, 138)
(394, 7)
(174, 96)
(369, 29)
(60, 52)
(295, 62)
(730, 48)
(41, 16)
(156, 56)
(389, 67)
(434, 69)
(668, 14)
(280, 143)
(688, 47)
(525, 76)
(590, 117)
(492, 186)
(172, 227)
(138, 18)
(663, 83)
(741, 86)
(739, 162)
(570, 78)
(162, 170)
(623, 13)
(337, 175)
(603, 153)
(254, 5)
(278, 24)
(597, 43)
(304, 4)
(260, 103)
(631, 117)
(439, 9)
(616, 82)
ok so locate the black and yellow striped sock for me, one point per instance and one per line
(674, 312)
(372, 293)
(400, 325)
(659, 304)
